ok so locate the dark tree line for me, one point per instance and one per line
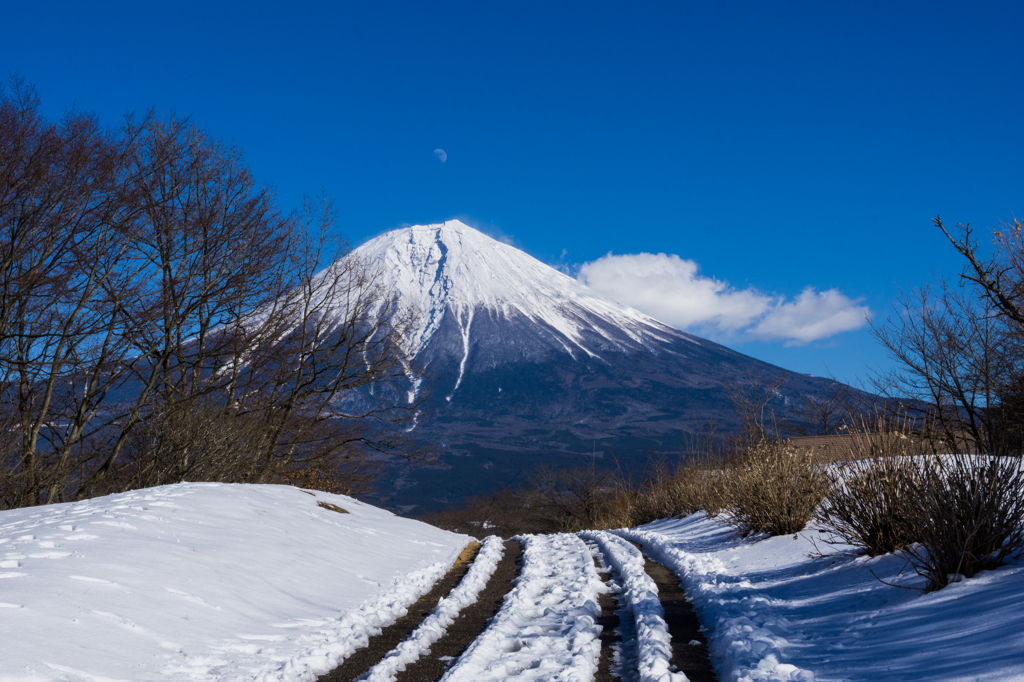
(162, 321)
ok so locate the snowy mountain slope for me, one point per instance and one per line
(451, 270)
(520, 364)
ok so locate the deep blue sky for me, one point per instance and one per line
(780, 145)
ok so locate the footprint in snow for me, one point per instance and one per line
(94, 580)
(114, 524)
(50, 555)
(191, 597)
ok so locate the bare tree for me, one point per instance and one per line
(161, 321)
(65, 213)
(824, 415)
(752, 401)
(212, 248)
(958, 350)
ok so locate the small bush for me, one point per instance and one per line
(869, 504)
(772, 488)
(694, 486)
(870, 499)
(971, 516)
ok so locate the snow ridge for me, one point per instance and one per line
(641, 596)
(547, 627)
(747, 638)
(436, 624)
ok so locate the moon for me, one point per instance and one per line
(441, 154)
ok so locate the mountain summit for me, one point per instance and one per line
(451, 268)
(466, 285)
(524, 365)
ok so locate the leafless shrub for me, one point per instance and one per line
(772, 488)
(870, 498)
(869, 504)
(694, 486)
(971, 516)
(577, 498)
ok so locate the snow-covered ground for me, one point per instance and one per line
(232, 582)
(547, 627)
(640, 594)
(205, 581)
(773, 613)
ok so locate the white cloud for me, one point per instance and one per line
(672, 290)
(812, 316)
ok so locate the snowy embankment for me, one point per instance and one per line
(773, 613)
(640, 594)
(444, 614)
(205, 581)
(547, 628)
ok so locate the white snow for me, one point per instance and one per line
(233, 582)
(773, 613)
(436, 624)
(451, 268)
(205, 581)
(547, 627)
(654, 644)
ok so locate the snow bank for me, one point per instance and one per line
(436, 624)
(547, 627)
(654, 644)
(773, 613)
(205, 581)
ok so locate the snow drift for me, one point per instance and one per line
(202, 581)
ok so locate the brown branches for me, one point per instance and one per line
(161, 320)
(958, 352)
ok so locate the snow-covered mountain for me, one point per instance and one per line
(454, 276)
(522, 364)
(454, 269)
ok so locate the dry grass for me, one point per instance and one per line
(772, 488)
(332, 507)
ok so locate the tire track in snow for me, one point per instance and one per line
(471, 622)
(362, 659)
(689, 645)
(547, 627)
(653, 644)
(666, 640)
(610, 622)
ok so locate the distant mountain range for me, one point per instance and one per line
(524, 365)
